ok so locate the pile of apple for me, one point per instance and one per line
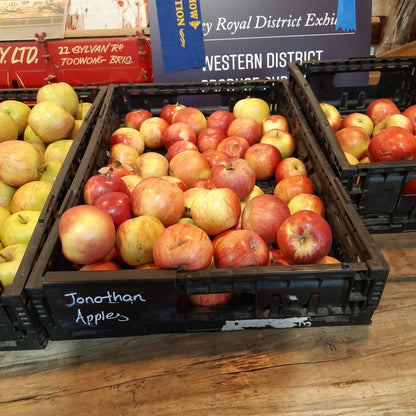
(34, 142)
(181, 191)
(381, 134)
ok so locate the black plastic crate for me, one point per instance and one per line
(19, 327)
(375, 189)
(73, 304)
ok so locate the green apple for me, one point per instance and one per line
(83, 109)
(50, 121)
(4, 214)
(50, 171)
(10, 259)
(6, 195)
(19, 111)
(20, 162)
(31, 196)
(60, 92)
(19, 227)
(57, 151)
(9, 129)
(30, 136)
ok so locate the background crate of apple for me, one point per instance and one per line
(19, 328)
(273, 296)
(375, 189)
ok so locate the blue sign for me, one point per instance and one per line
(181, 34)
(249, 40)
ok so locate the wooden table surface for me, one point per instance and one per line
(345, 371)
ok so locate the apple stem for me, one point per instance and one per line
(3, 257)
(23, 221)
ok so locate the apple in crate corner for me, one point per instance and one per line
(158, 197)
(304, 237)
(264, 159)
(332, 114)
(220, 119)
(10, 259)
(20, 162)
(19, 227)
(264, 214)
(135, 118)
(87, 234)
(183, 247)
(358, 120)
(215, 210)
(291, 166)
(19, 111)
(409, 188)
(392, 144)
(237, 174)
(241, 248)
(136, 238)
(353, 140)
(381, 108)
(62, 93)
(274, 121)
(9, 130)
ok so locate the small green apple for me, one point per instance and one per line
(19, 111)
(50, 171)
(9, 129)
(31, 196)
(10, 259)
(19, 227)
(6, 195)
(57, 151)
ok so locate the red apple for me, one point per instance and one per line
(191, 116)
(87, 234)
(178, 132)
(310, 202)
(98, 185)
(274, 121)
(410, 113)
(241, 248)
(117, 204)
(358, 120)
(252, 107)
(215, 210)
(329, 260)
(189, 166)
(123, 153)
(214, 157)
(101, 265)
(210, 299)
(220, 119)
(129, 136)
(151, 164)
(381, 108)
(209, 138)
(409, 188)
(277, 258)
(153, 130)
(168, 110)
(245, 127)
(281, 139)
(264, 214)
(202, 183)
(304, 237)
(158, 197)
(136, 238)
(290, 186)
(176, 181)
(264, 159)
(353, 140)
(236, 174)
(178, 147)
(291, 166)
(183, 246)
(332, 114)
(135, 118)
(233, 146)
(189, 196)
(392, 144)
